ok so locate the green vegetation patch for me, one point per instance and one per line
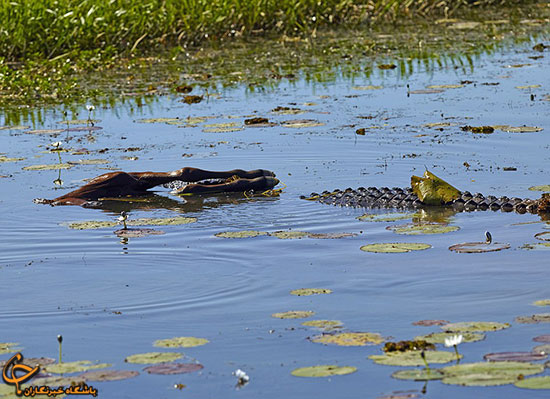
(293, 314)
(489, 373)
(542, 302)
(310, 291)
(523, 129)
(54, 166)
(387, 217)
(418, 374)
(6, 159)
(395, 247)
(74, 367)
(433, 190)
(478, 247)
(474, 326)
(439, 338)
(80, 122)
(289, 234)
(323, 324)
(8, 347)
(95, 224)
(153, 357)
(241, 234)
(323, 371)
(545, 236)
(181, 342)
(413, 358)
(534, 383)
(543, 246)
(427, 228)
(349, 339)
(544, 187)
(534, 319)
(108, 375)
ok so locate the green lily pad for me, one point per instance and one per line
(439, 338)
(425, 91)
(323, 324)
(173, 368)
(544, 187)
(395, 247)
(387, 217)
(181, 342)
(92, 224)
(330, 236)
(227, 129)
(534, 319)
(514, 357)
(478, 247)
(74, 367)
(542, 302)
(323, 371)
(430, 322)
(223, 125)
(433, 190)
(522, 129)
(528, 87)
(301, 123)
(54, 166)
(544, 246)
(349, 339)
(418, 374)
(289, 234)
(544, 349)
(89, 162)
(367, 87)
(160, 120)
(17, 127)
(427, 228)
(80, 122)
(153, 357)
(545, 236)
(293, 314)
(241, 234)
(474, 326)
(8, 347)
(136, 233)
(413, 358)
(534, 383)
(6, 159)
(489, 373)
(44, 131)
(287, 111)
(448, 86)
(109, 375)
(310, 291)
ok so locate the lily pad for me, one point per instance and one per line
(330, 236)
(108, 375)
(89, 162)
(80, 122)
(545, 236)
(489, 373)
(544, 349)
(6, 159)
(478, 247)
(418, 374)
(542, 338)
(448, 86)
(33, 361)
(173, 368)
(136, 233)
(74, 367)
(8, 347)
(528, 87)
(544, 187)
(367, 87)
(522, 129)
(45, 131)
(514, 357)
(160, 120)
(475, 326)
(290, 234)
(413, 358)
(54, 166)
(222, 129)
(310, 291)
(534, 319)
(241, 234)
(83, 129)
(538, 246)
(294, 314)
(323, 324)
(181, 342)
(429, 323)
(323, 371)
(534, 383)
(425, 228)
(153, 357)
(91, 225)
(287, 111)
(542, 302)
(439, 338)
(425, 91)
(387, 217)
(395, 247)
(433, 190)
(300, 123)
(17, 127)
(349, 339)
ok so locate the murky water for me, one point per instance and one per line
(111, 299)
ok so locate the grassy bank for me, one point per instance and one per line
(51, 28)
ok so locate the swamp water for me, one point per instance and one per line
(111, 298)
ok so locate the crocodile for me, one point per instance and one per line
(404, 198)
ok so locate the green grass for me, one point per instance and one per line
(47, 29)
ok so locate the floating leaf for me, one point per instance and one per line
(432, 190)
(74, 367)
(534, 383)
(83, 129)
(542, 302)
(349, 339)
(545, 236)
(488, 373)
(310, 291)
(425, 228)
(89, 162)
(323, 371)
(136, 233)
(44, 131)
(8, 347)
(425, 91)
(293, 314)
(241, 234)
(418, 374)
(534, 319)
(514, 357)
(413, 358)
(387, 217)
(544, 187)
(528, 87)
(80, 122)
(300, 123)
(223, 125)
(108, 375)
(475, 326)
(367, 87)
(449, 86)
(395, 247)
(54, 166)
(522, 129)
(33, 361)
(330, 236)
(287, 111)
(289, 235)
(439, 338)
(173, 368)
(222, 129)
(429, 323)
(153, 357)
(544, 349)
(181, 342)
(17, 127)
(323, 324)
(6, 159)
(160, 120)
(538, 246)
(92, 224)
(478, 247)
(464, 25)
(387, 66)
